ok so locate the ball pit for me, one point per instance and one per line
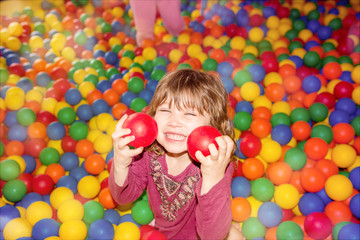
(70, 69)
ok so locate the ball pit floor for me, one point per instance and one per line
(70, 69)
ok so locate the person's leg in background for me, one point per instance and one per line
(144, 12)
(170, 12)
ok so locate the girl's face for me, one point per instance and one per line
(175, 125)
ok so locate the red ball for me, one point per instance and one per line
(154, 235)
(343, 90)
(270, 65)
(68, 144)
(27, 178)
(143, 127)
(34, 146)
(327, 99)
(318, 225)
(61, 86)
(45, 117)
(42, 184)
(250, 145)
(200, 139)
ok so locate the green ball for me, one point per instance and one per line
(25, 48)
(66, 115)
(335, 24)
(311, 59)
(253, 228)
(160, 61)
(91, 78)
(296, 158)
(25, 116)
(83, 17)
(327, 46)
(294, 13)
(300, 114)
(313, 15)
(148, 65)
(294, 44)
(280, 118)
(138, 104)
(129, 54)
(49, 155)
(247, 56)
(112, 71)
(291, 34)
(355, 123)
(136, 85)
(318, 112)
(38, 26)
(299, 25)
(242, 77)
(289, 230)
(116, 48)
(78, 130)
(93, 210)
(345, 59)
(96, 64)
(157, 74)
(184, 66)
(141, 212)
(80, 37)
(2, 148)
(14, 190)
(106, 27)
(301, 145)
(9, 169)
(336, 229)
(322, 131)
(209, 64)
(242, 121)
(262, 189)
(4, 75)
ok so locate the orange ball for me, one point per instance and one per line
(287, 70)
(343, 133)
(106, 199)
(261, 112)
(94, 164)
(295, 180)
(93, 95)
(253, 168)
(260, 127)
(218, 54)
(301, 130)
(292, 84)
(332, 70)
(14, 148)
(111, 97)
(118, 109)
(279, 173)
(84, 148)
(316, 148)
(120, 86)
(312, 179)
(33, 105)
(55, 171)
(240, 209)
(39, 65)
(338, 212)
(275, 92)
(217, 31)
(36, 130)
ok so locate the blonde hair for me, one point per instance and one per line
(194, 89)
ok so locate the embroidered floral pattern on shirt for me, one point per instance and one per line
(174, 195)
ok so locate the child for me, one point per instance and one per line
(144, 12)
(189, 200)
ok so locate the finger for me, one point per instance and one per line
(120, 132)
(200, 156)
(136, 151)
(222, 148)
(214, 153)
(121, 122)
(126, 141)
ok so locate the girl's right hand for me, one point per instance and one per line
(122, 153)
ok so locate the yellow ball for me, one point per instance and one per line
(251, 49)
(103, 120)
(217, 44)
(184, 38)
(88, 187)
(355, 95)
(49, 105)
(238, 43)
(117, 12)
(272, 77)
(85, 88)
(60, 195)
(37, 211)
(338, 187)
(305, 34)
(208, 40)
(20, 161)
(281, 106)
(127, 231)
(273, 22)
(262, 101)
(250, 91)
(286, 196)
(73, 229)
(343, 155)
(308, 7)
(93, 134)
(50, 18)
(17, 228)
(270, 151)
(57, 44)
(68, 53)
(126, 62)
(255, 205)
(4, 34)
(14, 101)
(355, 74)
(300, 52)
(175, 55)
(70, 210)
(273, 34)
(193, 49)
(33, 94)
(79, 76)
(103, 143)
(256, 34)
(15, 29)
(149, 53)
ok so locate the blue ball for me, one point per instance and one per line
(101, 229)
(147, 95)
(311, 84)
(355, 205)
(324, 32)
(25, 84)
(224, 69)
(17, 132)
(268, 12)
(73, 96)
(111, 58)
(350, 231)
(228, 84)
(128, 218)
(103, 85)
(99, 53)
(311, 202)
(127, 98)
(270, 214)
(240, 187)
(84, 112)
(78, 173)
(338, 116)
(69, 160)
(257, 72)
(296, 60)
(30, 163)
(346, 104)
(69, 182)
(56, 130)
(43, 79)
(242, 18)
(281, 133)
(112, 216)
(99, 106)
(44, 228)
(244, 106)
(151, 85)
(30, 198)
(238, 152)
(8, 213)
(116, 27)
(323, 195)
(354, 177)
(10, 119)
(228, 18)
(346, 76)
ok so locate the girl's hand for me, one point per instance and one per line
(213, 166)
(122, 153)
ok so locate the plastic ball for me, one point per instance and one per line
(25, 116)
(270, 151)
(349, 231)
(127, 231)
(286, 196)
(309, 203)
(338, 212)
(141, 212)
(250, 145)
(70, 209)
(59, 195)
(253, 228)
(8, 213)
(281, 133)
(262, 189)
(252, 168)
(55, 130)
(9, 169)
(37, 211)
(44, 228)
(343, 155)
(66, 115)
(78, 130)
(242, 120)
(240, 187)
(317, 225)
(17, 228)
(354, 177)
(289, 230)
(355, 206)
(270, 214)
(14, 190)
(93, 211)
(101, 229)
(250, 91)
(295, 158)
(49, 155)
(316, 148)
(73, 229)
(338, 187)
(89, 187)
(42, 184)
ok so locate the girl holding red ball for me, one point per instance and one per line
(190, 200)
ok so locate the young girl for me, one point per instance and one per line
(189, 200)
(144, 13)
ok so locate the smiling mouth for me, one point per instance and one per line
(176, 137)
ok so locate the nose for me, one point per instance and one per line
(174, 120)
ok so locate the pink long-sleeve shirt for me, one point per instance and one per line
(180, 211)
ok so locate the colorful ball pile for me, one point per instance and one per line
(70, 69)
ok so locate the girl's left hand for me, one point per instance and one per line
(213, 166)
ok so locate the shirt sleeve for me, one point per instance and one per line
(134, 184)
(213, 212)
